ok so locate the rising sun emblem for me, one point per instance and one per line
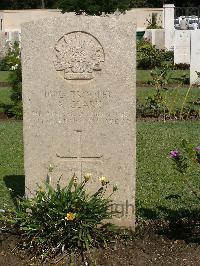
(78, 55)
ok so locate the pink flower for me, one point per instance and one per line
(174, 154)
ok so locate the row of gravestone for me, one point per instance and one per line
(187, 51)
(185, 44)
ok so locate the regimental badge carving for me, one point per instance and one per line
(78, 55)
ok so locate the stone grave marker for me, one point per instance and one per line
(160, 39)
(79, 101)
(195, 57)
(182, 47)
(3, 46)
(156, 37)
(169, 39)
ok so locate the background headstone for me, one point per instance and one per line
(195, 57)
(182, 47)
(168, 25)
(3, 45)
(169, 39)
(156, 37)
(160, 39)
(148, 35)
(79, 103)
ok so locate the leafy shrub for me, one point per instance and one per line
(182, 66)
(12, 62)
(148, 56)
(12, 57)
(154, 105)
(168, 56)
(58, 219)
(16, 95)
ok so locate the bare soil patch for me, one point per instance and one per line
(153, 244)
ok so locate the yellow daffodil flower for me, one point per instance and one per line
(87, 177)
(104, 180)
(70, 216)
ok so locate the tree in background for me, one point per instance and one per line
(27, 4)
(93, 7)
(181, 3)
(138, 3)
(5, 4)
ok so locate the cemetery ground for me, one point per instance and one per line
(168, 229)
(162, 197)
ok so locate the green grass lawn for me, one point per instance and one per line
(176, 94)
(11, 160)
(161, 193)
(144, 76)
(4, 97)
(4, 76)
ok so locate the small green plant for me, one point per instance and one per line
(160, 77)
(183, 158)
(154, 105)
(171, 100)
(59, 219)
(167, 103)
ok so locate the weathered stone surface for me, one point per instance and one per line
(79, 103)
(195, 57)
(182, 47)
(3, 46)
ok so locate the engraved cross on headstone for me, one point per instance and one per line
(80, 158)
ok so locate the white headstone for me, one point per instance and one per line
(169, 39)
(79, 103)
(160, 39)
(156, 37)
(195, 57)
(168, 25)
(182, 47)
